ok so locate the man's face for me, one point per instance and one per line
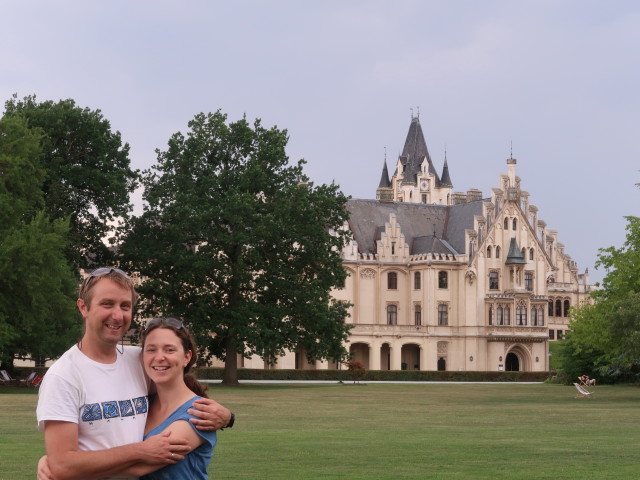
(108, 316)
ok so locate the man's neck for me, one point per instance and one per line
(101, 353)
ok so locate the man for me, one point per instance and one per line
(92, 404)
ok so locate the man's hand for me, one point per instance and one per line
(211, 415)
(162, 449)
(43, 469)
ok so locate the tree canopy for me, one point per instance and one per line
(240, 244)
(605, 336)
(37, 313)
(87, 176)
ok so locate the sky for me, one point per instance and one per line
(555, 83)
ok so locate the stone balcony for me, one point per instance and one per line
(494, 333)
(516, 333)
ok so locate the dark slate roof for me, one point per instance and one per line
(414, 152)
(461, 218)
(431, 244)
(384, 179)
(446, 179)
(427, 228)
(515, 256)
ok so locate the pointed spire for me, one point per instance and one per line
(384, 179)
(415, 151)
(445, 181)
(515, 256)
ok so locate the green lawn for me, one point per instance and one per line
(391, 431)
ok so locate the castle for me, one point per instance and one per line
(441, 280)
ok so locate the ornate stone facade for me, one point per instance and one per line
(461, 282)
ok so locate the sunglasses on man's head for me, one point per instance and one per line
(162, 321)
(98, 272)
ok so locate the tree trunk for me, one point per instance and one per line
(230, 376)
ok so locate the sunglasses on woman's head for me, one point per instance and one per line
(169, 321)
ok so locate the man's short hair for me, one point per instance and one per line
(114, 274)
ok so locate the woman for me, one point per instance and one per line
(168, 353)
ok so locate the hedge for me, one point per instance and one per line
(209, 373)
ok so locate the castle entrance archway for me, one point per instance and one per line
(512, 363)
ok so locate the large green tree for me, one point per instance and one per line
(605, 336)
(239, 244)
(88, 178)
(37, 315)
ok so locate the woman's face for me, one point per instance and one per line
(163, 356)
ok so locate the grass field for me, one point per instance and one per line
(393, 431)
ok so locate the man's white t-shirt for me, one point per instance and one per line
(109, 402)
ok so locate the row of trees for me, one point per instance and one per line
(233, 238)
(605, 336)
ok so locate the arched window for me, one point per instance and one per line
(567, 305)
(534, 317)
(443, 279)
(500, 319)
(392, 315)
(515, 223)
(490, 314)
(506, 223)
(531, 254)
(507, 315)
(443, 314)
(494, 283)
(417, 315)
(541, 317)
(558, 308)
(489, 251)
(392, 281)
(416, 281)
(498, 252)
(551, 308)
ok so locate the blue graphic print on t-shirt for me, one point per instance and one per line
(115, 408)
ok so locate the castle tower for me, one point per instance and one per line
(415, 179)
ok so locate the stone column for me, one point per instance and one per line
(396, 356)
(423, 358)
(374, 356)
